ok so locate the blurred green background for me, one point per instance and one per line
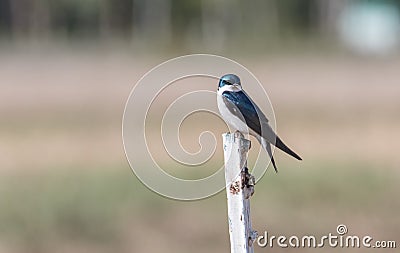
(331, 69)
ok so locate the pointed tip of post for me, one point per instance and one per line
(238, 134)
(236, 137)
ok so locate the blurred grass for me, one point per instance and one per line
(69, 204)
(100, 206)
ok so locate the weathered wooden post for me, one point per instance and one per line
(239, 189)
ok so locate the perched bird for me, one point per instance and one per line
(242, 114)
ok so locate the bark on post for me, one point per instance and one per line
(239, 189)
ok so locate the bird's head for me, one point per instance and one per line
(230, 82)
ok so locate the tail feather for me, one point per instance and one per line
(270, 136)
(267, 146)
(269, 151)
(279, 144)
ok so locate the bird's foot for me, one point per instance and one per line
(238, 134)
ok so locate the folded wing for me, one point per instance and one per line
(241, 105)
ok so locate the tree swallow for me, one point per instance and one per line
(241, 113)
